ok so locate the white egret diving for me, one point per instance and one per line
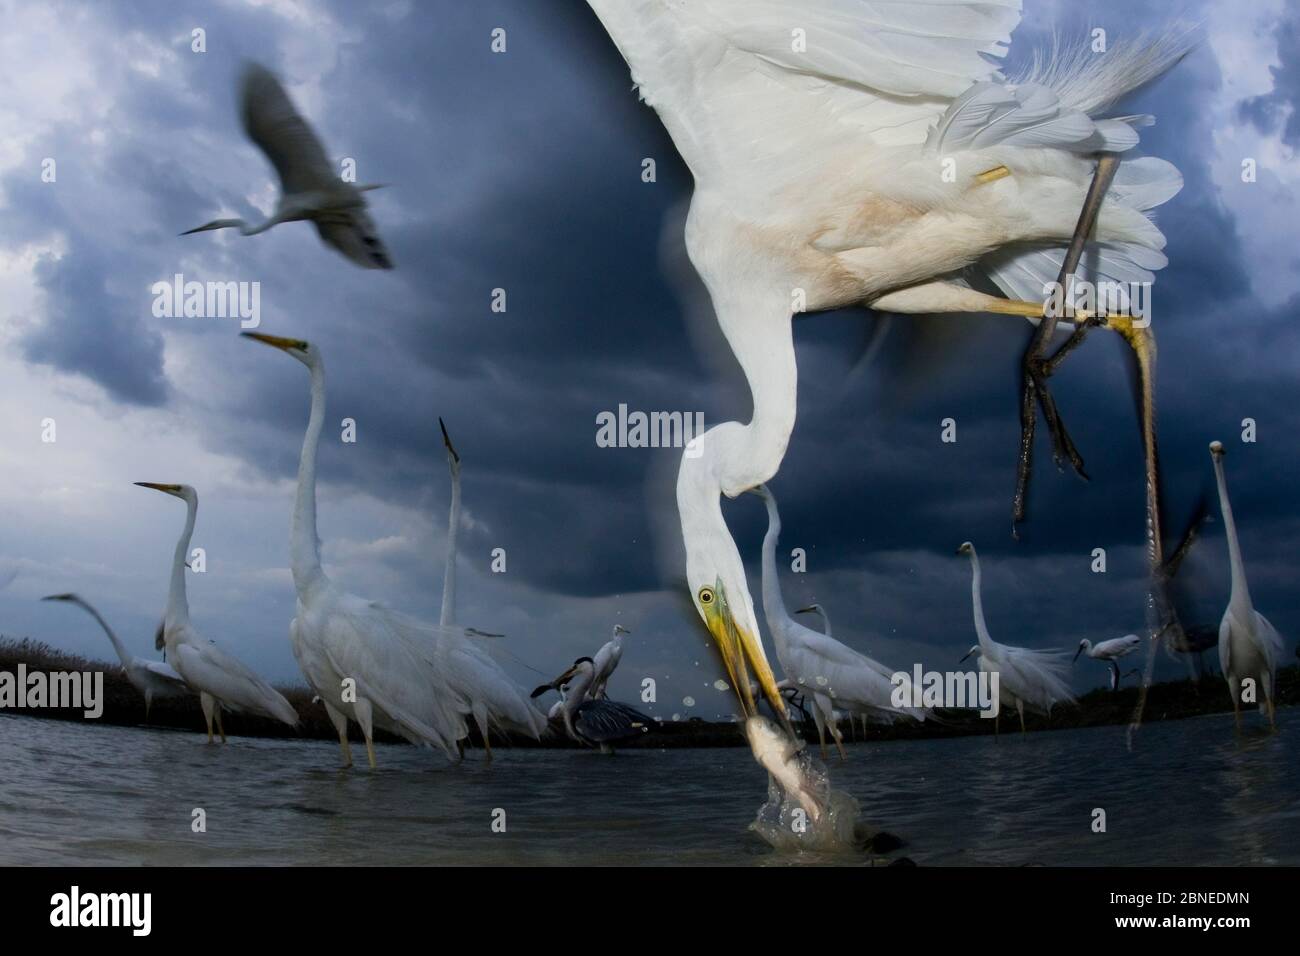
(847, 152)
(1026, 677)
(222, 681)
(596, 722)
(1249, 646)
(310, 188)
(370, 663)
(1110, 652)
(150, 678)
(834, 675)
(606, 661)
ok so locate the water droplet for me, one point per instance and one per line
(688, 701)
(721, 685)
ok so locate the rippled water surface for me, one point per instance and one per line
(1189, 793)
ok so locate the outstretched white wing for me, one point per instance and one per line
(271, 122)
(739, 81)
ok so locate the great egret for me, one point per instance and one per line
(150, 678)
(597, 722)
(368, 662)
(1110, 652)
(848, 153)
(821, 614)
(606, 661)
(833, 674)
(1249, 646)
(447, 617)
(221, 680)
(1026, 678)
(309, 188)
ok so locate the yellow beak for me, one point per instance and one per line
(740, 651)
(275, 340)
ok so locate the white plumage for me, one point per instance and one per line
(834, 675)
(1026, 677)
(1110, 652)
(370, 663)
(222, 680)
(606, 662)
(1249, 646)
(818, 133)
(310, 188)
(150, 678)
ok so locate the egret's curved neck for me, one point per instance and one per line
(826, 620)
(304, 545)
(122, 655)
(977, 602)
(575, 695)
(1240, 593)
(773, 601)
(453, 531)
(178, 607)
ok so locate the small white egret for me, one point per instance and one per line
(606, 661)
(1249, 646)
(833, 674)
(150, 678)
(596, 722)
(309, 187)
(819, 183)
(368, 662)
(1026, 677)
(221, 680)
(1110, 652)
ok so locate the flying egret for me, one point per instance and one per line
(1026, 677)
(606, 661)
(309, 187)
(370, 663)
(447, 616)
(150, 678)
(1110, 652)
(221, 680)
(833, 674)
(869, 161)
(596, 722)
(1249, 646)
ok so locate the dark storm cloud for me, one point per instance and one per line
(1277, 109)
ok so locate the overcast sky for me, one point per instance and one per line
(522, 170)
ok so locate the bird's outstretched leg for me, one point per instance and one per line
(340, 723)
(820, 721)
(1114, 676)
(220, 729)
(1035, 365)
(1234, 688)
(206, 702)
(1020, 709)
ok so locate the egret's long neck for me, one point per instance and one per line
(1240, 593)
(977, 602)
(826, 621)
(773, 602)
(453, 531)
(304, 545)
(178, 607)
(122, 655)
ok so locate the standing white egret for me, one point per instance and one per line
(596, 722)
(447, 617)
(1026, 678)
(1110, 652)
(833, 674)
(606, 661)
(368, 662)
(309, 187)
(221, 680)
(821, 614)
(1249, 646)
(819, 169)
(150, 678)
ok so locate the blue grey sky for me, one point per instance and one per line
(522, 170)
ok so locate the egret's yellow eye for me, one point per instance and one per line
(706, 596)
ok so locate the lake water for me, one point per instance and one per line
(1189, 793)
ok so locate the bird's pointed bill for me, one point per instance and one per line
(276, 341)
(169, 489)
(741, 651)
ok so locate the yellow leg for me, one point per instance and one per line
(370, 752)
(207, 702)
(220, 728)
